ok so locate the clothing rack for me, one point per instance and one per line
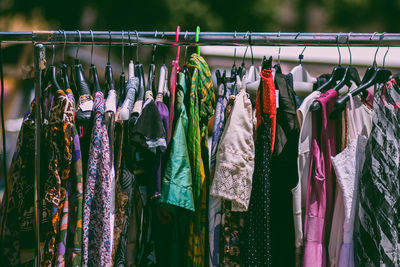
(40, 39)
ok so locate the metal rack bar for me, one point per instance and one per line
(206, 38)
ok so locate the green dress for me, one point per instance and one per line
(177, 181)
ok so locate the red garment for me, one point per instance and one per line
(269, 101)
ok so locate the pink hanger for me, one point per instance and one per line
(178, 47)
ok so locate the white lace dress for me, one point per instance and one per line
(347, 165)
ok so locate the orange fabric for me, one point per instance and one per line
(269, 101)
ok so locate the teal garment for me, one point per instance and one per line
(177, 182)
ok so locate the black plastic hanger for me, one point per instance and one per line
(233, 78)
(277, 66)
(108, 72)
(220, 78)
(242, 68)
(51, 73)
(350, 74)
(64, 67)
(152, 70)
(94, 77)
(79, 76)
(234, 70)
(139, 73)
(266, 63)
(380, 75)
(337, 75)
(122, 80)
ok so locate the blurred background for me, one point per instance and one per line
(165, 15)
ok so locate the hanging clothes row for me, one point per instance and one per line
(131, 176)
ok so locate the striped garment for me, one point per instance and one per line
(377, 226)
(201, 108)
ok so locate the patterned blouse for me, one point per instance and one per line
(60, 134)
(18, 215)
(69, 251)
(97, 242)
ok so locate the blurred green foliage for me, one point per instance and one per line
(211, 15)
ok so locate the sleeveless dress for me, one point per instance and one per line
(346, 165)
(377, 227)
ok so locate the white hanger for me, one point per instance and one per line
(302, 80)
(131, 87)
(162, 82)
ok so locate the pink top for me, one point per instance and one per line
(319, 203)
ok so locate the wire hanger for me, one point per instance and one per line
(139, 72)
(277, 66)
(108, 72)
(185, 53)
(63, 66)
(252, 73)
(122, 85)
(77, 48)
(350, 73)
(379, 75)
(242, 67)
(163, 78)
(52, 72)
(337, 74)
(81, 85)
(152, 70)
(94, 77)
(303, 82)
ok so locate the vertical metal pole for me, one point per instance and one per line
(39, 63)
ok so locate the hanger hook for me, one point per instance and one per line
(65, 44)
(109, 48)
(130, 43)
(384, 57)
(79, 44)
(234, 35)
(244, 55)
(137, 48)
(234, 56)
(372, 36)
(155, 34)
(338, 49)
(377, 49)
(348, 46)
(123, 52)
(91, 51)
(186, 33)
(251, 49)
(54, 54)
(279, 50)
(185, 54)
(301, 56)
(297, 35)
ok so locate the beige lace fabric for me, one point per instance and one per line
(235, 156)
